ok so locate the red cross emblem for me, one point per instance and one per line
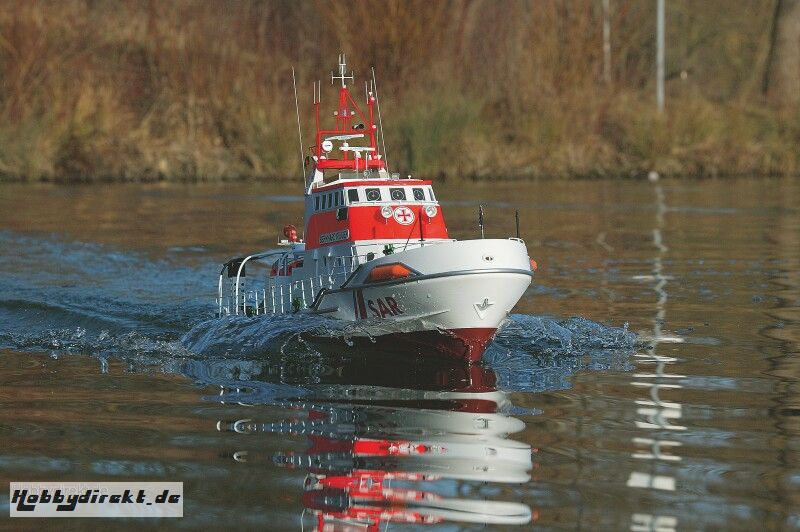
(404, 215)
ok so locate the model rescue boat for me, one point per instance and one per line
(377, 252)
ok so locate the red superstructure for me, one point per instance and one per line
(365, 203)
(367, 223)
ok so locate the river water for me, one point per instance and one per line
(648, 379)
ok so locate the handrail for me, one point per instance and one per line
(255, 256)
(336, 272)
(238, 274)
(242, 261)
(219, 292)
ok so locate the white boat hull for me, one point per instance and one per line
(461, 294)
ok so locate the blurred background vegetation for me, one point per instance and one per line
(183, 89)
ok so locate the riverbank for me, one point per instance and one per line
(188, 91)
(457, 137)
(693, 139)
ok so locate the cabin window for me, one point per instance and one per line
(341, 197)
(398, 194)
(316, 203)
(419, 194)
(373, 194)
(352, 195)
(430, 193)
(335, 199)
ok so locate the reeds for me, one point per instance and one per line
(190, 90)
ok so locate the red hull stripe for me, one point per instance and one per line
(362, 307)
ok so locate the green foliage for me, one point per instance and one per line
(433, 132)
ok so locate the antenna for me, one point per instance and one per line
(316, 89)
(299, 131)
(480, 219)
(380, 121)
(342, 72)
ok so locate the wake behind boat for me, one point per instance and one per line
(376, 251)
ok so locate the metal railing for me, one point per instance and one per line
(276, 292)
(280, 294)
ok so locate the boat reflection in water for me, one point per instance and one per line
(386, 437)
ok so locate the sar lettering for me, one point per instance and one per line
(384, 306)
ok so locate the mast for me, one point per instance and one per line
(333, 149)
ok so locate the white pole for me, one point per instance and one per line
(660, 57)
(380, 120)
(299, 131)
(606, 42)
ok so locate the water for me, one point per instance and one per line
(648, 380)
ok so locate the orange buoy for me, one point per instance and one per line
(534, 266)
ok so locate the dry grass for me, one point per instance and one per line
(100, 89)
